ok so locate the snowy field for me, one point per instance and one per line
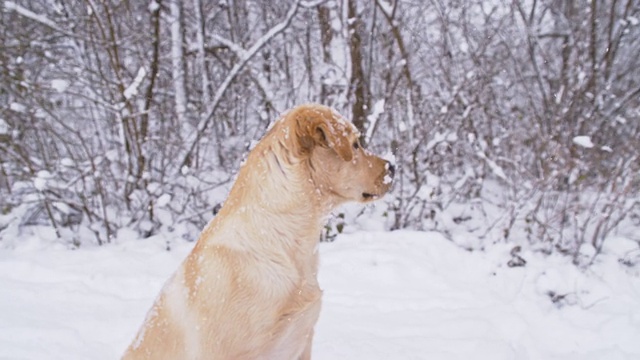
(394, 295)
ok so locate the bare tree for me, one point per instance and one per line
(357, 85)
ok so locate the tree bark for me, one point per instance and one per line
(357, 86)
(177, 61)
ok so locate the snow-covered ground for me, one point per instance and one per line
(387, 295)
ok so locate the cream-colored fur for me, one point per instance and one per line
(249, 288)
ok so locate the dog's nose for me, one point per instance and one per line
(391, 168)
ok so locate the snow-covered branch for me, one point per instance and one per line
(132, 89)
(259, 78)
(12, 6)
(250, 53)
(312, 4)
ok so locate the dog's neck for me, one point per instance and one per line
(274, 186)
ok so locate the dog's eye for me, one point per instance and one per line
(356, 145)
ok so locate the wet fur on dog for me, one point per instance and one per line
(249, 288)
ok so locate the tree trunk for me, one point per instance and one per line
(357, 86)
(177, 61)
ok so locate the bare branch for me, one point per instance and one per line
(250, 53)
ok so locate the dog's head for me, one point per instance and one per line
(338, 165)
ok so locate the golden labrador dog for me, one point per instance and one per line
(249, 288)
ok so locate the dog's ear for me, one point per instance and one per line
(318, 127)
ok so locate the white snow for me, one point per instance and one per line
(378, 109)
(163, 200)
(66, 162)
(40, 184)
(153, 187)
(17, 107)
(393, 295)
(464, 47)
(4, 127)
(41, 181)
(132, 89)
(584, 141)
(390, 157)
(387, 178)
(146, 225)
(153, 6)
(59, 85)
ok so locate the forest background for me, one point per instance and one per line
(516, 121)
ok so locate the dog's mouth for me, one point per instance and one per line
(369, 196)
